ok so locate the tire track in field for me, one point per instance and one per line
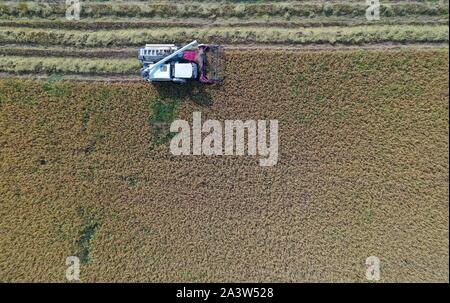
(199, 23)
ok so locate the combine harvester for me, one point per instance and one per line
(192, 62)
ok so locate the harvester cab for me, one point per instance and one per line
(172, 63)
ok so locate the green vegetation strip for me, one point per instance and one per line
(58, 51)
(347, 35)
(242, 10)
(23, 65)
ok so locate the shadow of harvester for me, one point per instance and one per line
(190, 92)
(169, 97)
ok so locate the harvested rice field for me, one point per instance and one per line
(362, 171)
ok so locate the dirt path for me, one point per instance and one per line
(202, 23)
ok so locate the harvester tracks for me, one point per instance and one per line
(201, 23)
(131, 52)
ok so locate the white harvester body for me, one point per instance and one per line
(169, 62)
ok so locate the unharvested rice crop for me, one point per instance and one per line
(363, 170)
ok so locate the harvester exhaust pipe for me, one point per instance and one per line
(162, 61)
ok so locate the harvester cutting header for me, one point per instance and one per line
(192, 62)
